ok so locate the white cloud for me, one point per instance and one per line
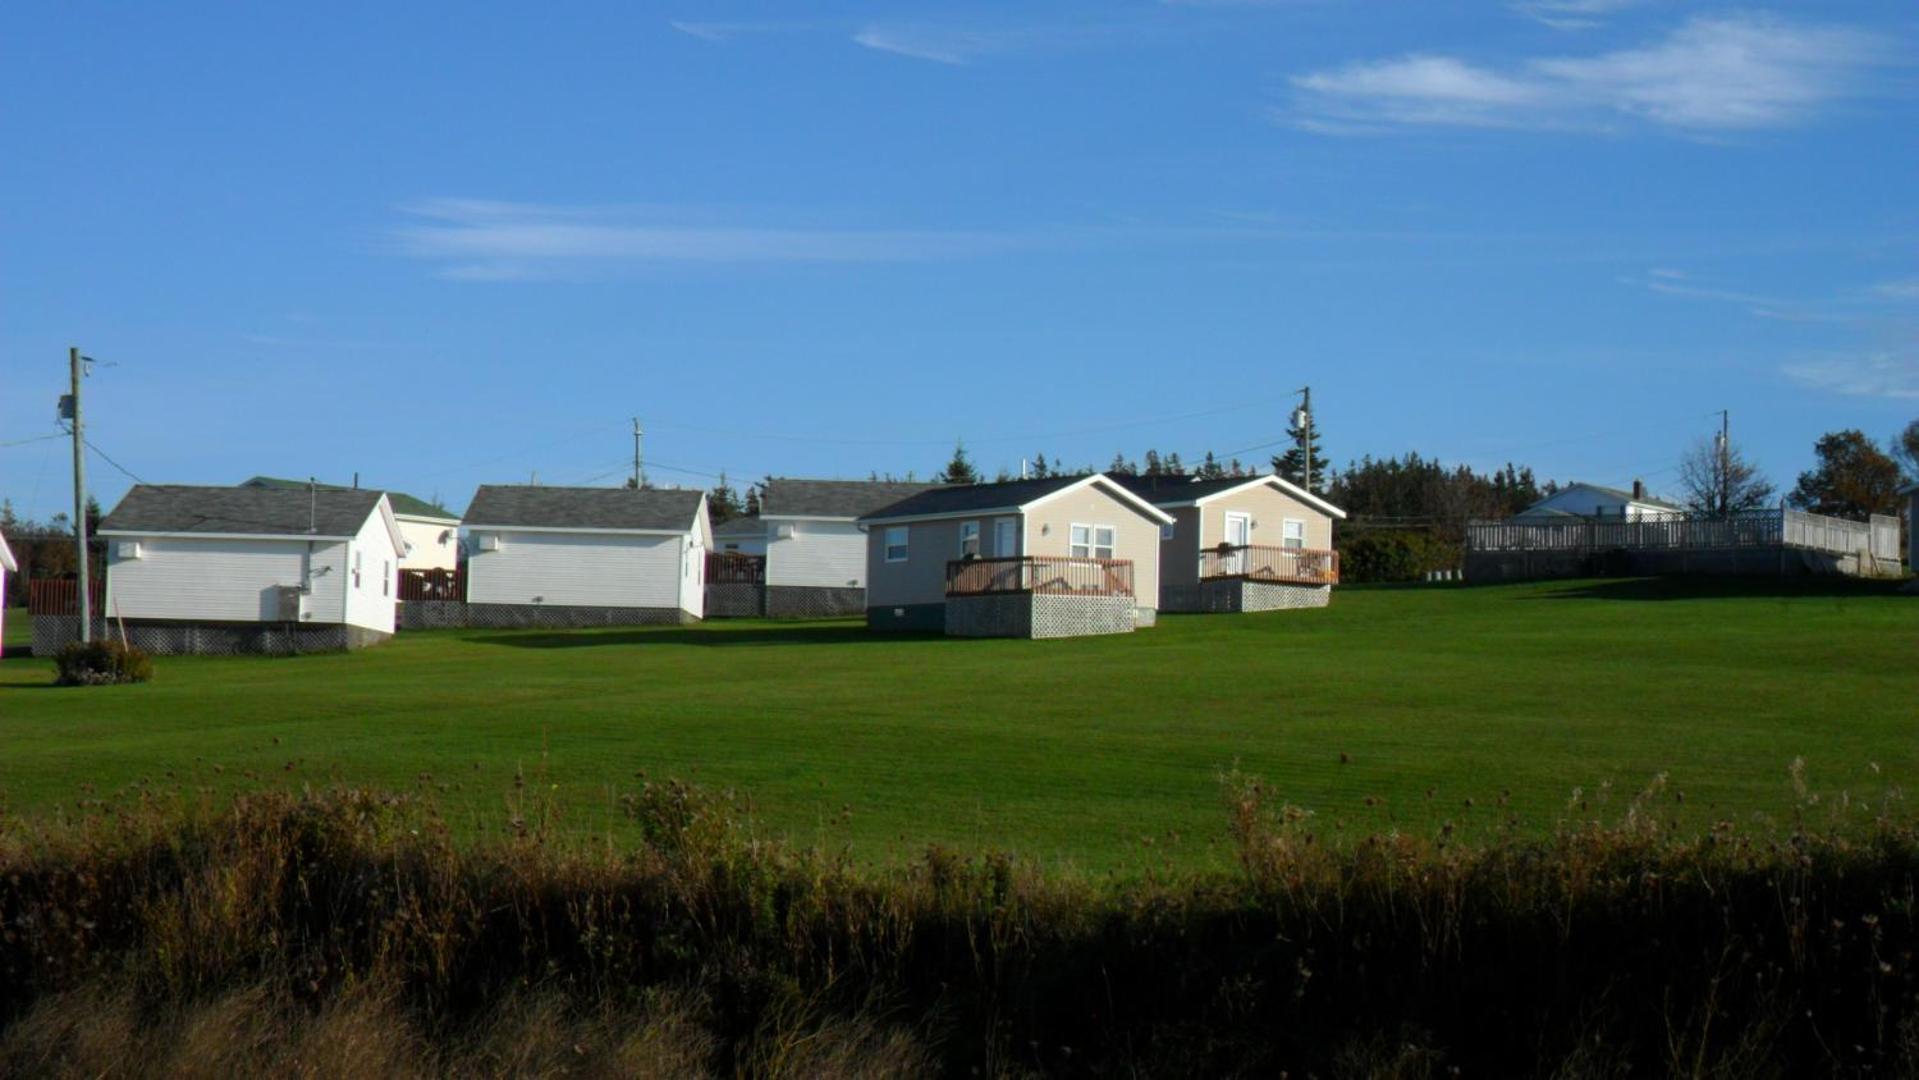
(1889, 373)
(1711, 75)
(482, 240)
(1571, 14)
(920, 43)
(1898, 290)
(727, 31)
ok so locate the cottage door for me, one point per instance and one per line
(1239, 533)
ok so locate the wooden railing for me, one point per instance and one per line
(1255, 562)
(432, 585)
(61, 596)
(733, 568)
(1047, 574)
(1749, 529)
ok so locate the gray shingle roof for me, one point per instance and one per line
(1617, 493)
(964, 498)
(1168, 489)
(615, 509)
(740, 526)
(832, 498)
(180, 508)
(401, 502)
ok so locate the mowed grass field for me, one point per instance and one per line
(1396, 707)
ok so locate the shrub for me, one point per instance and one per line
(101, 663)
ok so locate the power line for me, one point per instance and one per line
(103, 456)
(35, 439)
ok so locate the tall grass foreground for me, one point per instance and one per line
(344, 931)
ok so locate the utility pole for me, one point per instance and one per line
(76, 371)
(639, 469)
(1725, 462)
(1303, 420)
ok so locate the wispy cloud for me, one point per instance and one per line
(1892, 373)
(483, 240)
(1898, 290)
(1710, 76)
(1572, 14)
(727, 31)
(954, 45)
(920, 43)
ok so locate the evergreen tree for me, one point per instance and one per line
(1236, 470)
(1153, 466)
(723, 503)
(1040, 470)
(1173, 465)
(1122, 467)
(751, 507)
(959, 470)
(1211, 469)
(1292, 463)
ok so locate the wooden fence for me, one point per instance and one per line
(1051, 574)
(432, 585)
(61, 596)
(1877, 539)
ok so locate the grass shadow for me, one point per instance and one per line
(703, 636)
(1711, 588)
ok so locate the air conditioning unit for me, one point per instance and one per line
(786, 531)
(126, 549)
(290, 604)
(488, 541)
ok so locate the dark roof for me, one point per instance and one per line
(402, 502)
(179, 508)
(833, 498)
(741, 526)
(617, 509)
(961, 498)
(1177, 489)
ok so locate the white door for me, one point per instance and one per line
(1239, 533)
(1006, 537)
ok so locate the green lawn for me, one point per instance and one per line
(1069, 751)
(18, 632)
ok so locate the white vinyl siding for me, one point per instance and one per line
(220, 579)
(583, 569)
(434, 545)
(825, 554)
(369, 598)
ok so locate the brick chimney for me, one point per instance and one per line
(1638, 490)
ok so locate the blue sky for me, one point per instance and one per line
(442, 246)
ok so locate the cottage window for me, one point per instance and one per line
(896, 543)
(1293, 534)
(969, 540)
(356, 569)
(1092, 541)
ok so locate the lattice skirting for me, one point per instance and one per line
(1237, 595)
(813, 601)
(736, 600)
(1041, 616)
(448, 614)
(53, 632)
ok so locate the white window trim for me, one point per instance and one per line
(1285, 530)
(969, 530)
(1092, 544)
(887, 545)
(1226, 524)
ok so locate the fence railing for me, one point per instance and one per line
(733, 568)
(1752, 529)
(1046, 574)
(1257, 562)
(432, 585)
(61, 596)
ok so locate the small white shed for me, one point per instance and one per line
(204, 569)
(560, 556)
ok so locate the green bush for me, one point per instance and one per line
(102, 663)
(1397, 555)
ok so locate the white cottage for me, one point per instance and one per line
(228, 569)
(1595, 500)
(815, 548)
(1912, 527)
(558, 556)
(7, 566)
(431, 533)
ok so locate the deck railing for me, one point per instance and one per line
(1256, 562)
(432, 585)
(1748, 529)
(1045, 574)
(61, 596)
(733, 568)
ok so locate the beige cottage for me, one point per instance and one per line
(1241, 543)
(1054, 557)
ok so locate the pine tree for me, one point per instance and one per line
(1040, 470)
(1236, 470)
(1292, 464)
(1174, 467)
(1153, 466)
(1211, 469)
(751, 508)
(960, 469)
(723, 503)
(1122, 467)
